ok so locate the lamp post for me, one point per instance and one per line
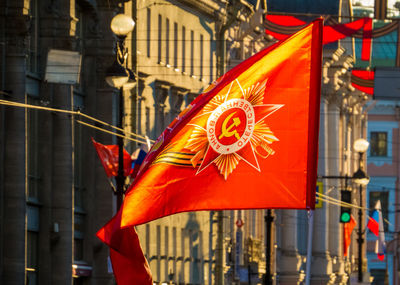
(362, 179)
(268, 218)
(116, 76)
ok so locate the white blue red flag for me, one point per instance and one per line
(375, 225)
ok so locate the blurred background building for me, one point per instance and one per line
(54, 194)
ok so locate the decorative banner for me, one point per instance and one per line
(250, 141)
(281, 26)
(363, 80)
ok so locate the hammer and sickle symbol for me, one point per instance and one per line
(226, 131)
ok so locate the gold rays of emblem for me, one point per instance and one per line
(226, 163)
(261, 138)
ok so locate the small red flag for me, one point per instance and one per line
(248, 142)
(108, 155)
(348, 229)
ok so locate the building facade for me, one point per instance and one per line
(383, 132)
(54, 195)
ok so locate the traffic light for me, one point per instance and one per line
(345, 212)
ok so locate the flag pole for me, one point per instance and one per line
(268, 223)
(309, 245)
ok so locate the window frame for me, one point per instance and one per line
(375, 149)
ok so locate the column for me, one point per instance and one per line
(161, 95)
(321, 266)
(335, 185)
(177, 97)
(101, 103)
(290, 261)
(13, 188)
(62, 187)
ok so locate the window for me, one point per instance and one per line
(159, 38)
(79, 26)
(191, 52)
(195, 254)
(158, 237)
(79, 227)
(148, 31)
(79, 191)
(379, 144)
(78, 168)
(32, 245)
(379, 276)
(147, 121)
(167, 41)
(147, 253)
(33, 153)
(31, 262)
(33, 42)
(201, 55)
(302, 230)
(32, 209)
(374, 196)
(176, 45)
(183, 48)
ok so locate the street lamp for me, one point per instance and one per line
(362, 179)
(116, 76)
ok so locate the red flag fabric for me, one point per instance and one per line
(108, 155)
(249, 141)
(363, 80)
(348, 229)
(282, 26)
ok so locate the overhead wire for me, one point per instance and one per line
(22, 105)
(109, 132)
(339, 202)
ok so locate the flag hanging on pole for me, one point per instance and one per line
(138, 158)
(108, 155)
(348, 229)
(375, 225)
(247, 142)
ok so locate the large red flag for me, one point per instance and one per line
(248, 142)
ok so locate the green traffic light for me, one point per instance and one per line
(345, 217)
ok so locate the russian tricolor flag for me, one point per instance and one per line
(375, 225)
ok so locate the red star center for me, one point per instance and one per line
(230, 126)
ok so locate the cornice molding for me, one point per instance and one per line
(209, 8)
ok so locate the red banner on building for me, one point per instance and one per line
(363, 80)
(282, 26)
